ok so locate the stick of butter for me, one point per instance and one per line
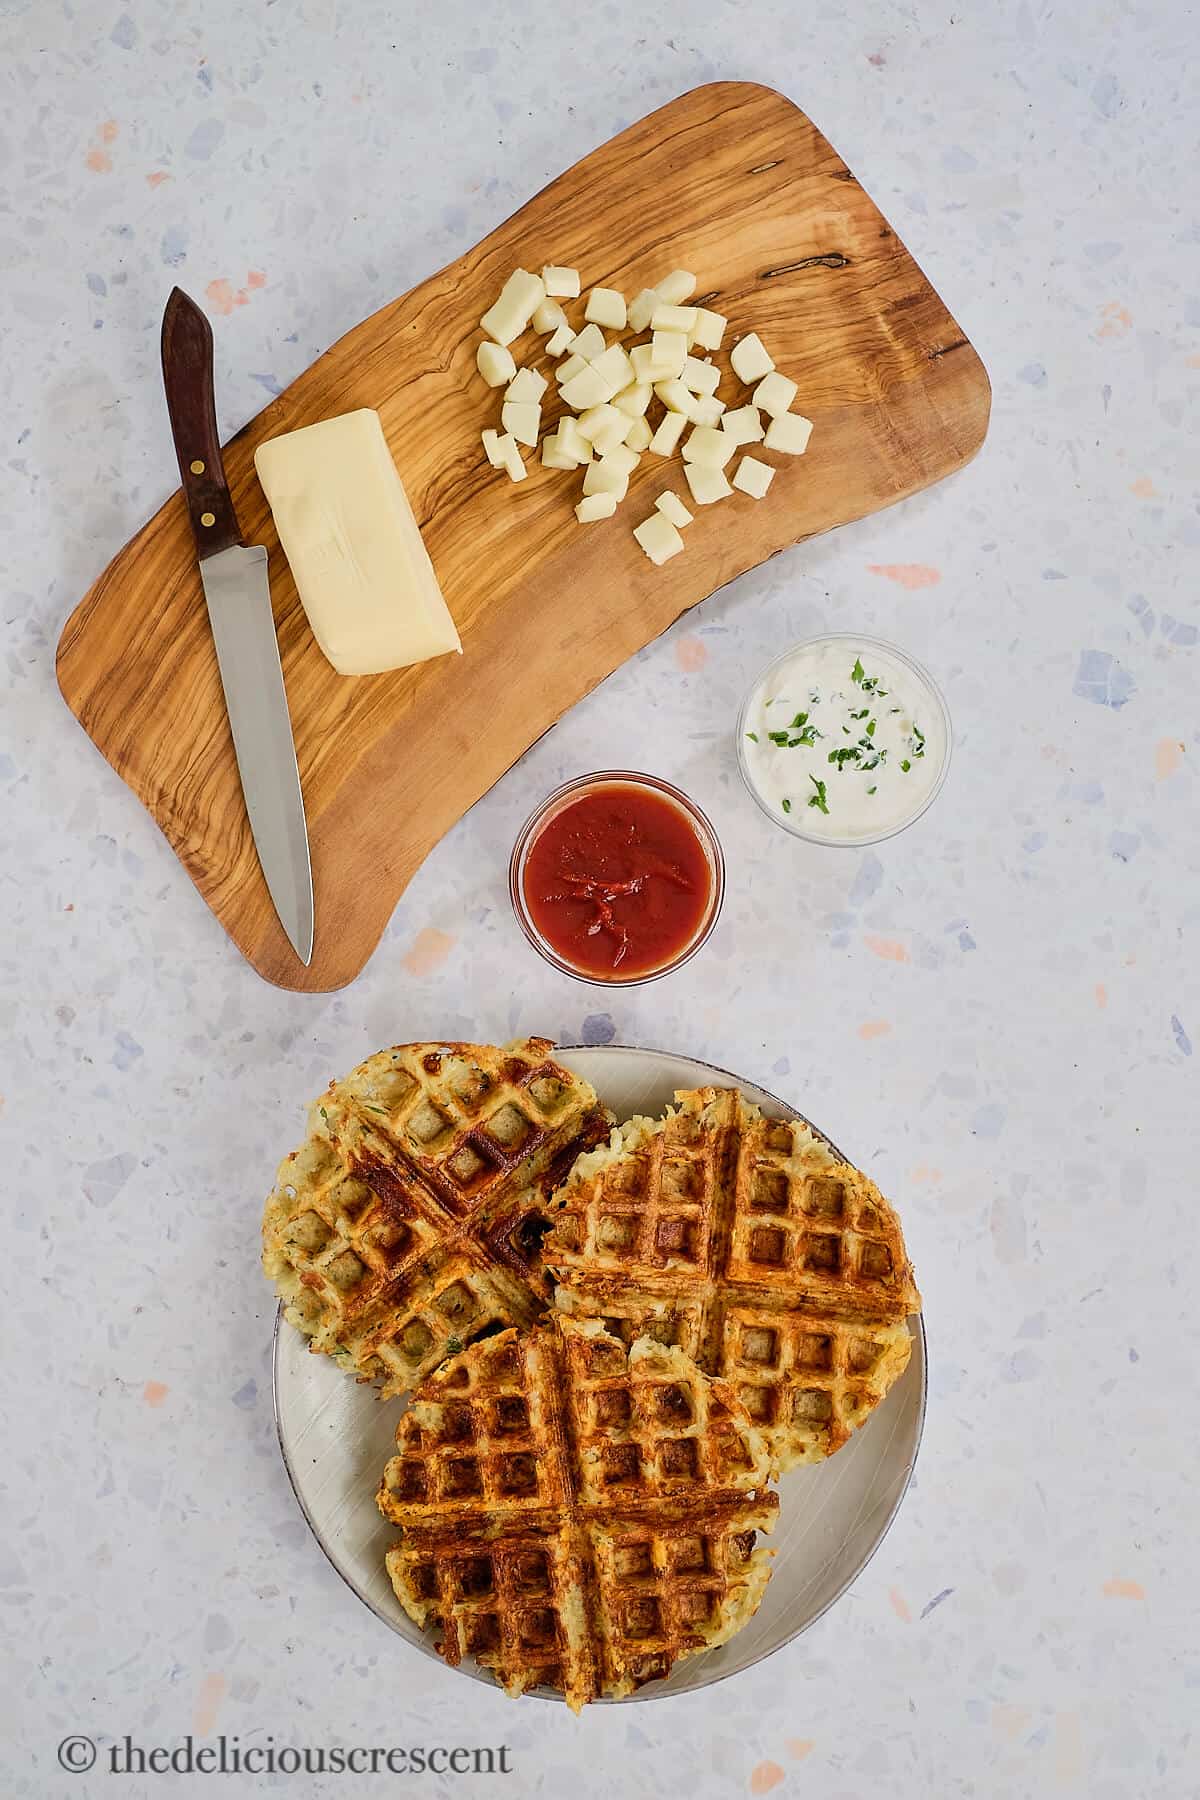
(363, 574)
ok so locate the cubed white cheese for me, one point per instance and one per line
(676, 398)
(707, 409)
(666, 438)
(603, 477)
(527, 384)
(744, 425)
(707, 484)
(606, 306)
(676, 287)
(638, 435)
(563, 283)
(586, 389)
(622, 459)
(492, 442)
(709, 328)
(495, 364)
(790, 433)
(589, 343)
(753, 477)
(361, 569)
(615, 367)
(774, 394)
(644, 366)
(673, 507)
(553, 454)
(635, 398)
(522, 419)
(658, 538)
(641, 309)
(603, 427)
(572, 440)
(519, 299)
(670, 351)
(673, 318)
(569, 367)
(709, 446)
(596, 506)
(514, 465)
(750, 360)
(558, 340)
(700, 377)
(548, 316)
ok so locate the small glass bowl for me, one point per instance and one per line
(859, 642)
(551, 806)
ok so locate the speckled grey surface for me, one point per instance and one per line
(995, 1013)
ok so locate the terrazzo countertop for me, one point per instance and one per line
(994, 1013)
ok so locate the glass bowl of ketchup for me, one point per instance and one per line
(617, 878)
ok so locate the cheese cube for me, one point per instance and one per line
(572, 441)
(676, 287)
(513, 464)
(774, 394)
(707, 410)
(753, 477)
(527, 384)
(363, 574)
(707, 484)
(646, 368)
(743, 425)
(522, 419)
(603, 477)
(559, 340)
(588, 388)
(519, 299)
(658, 538)
(676, 398)
(666, 438)
(673, 318)
(606, 306)
(589, 343)
(709, 446)
(596, 506)
(638, 436)
(750, 360)
(495, 364)
(641, 309)
(790, 433)
(700, 377)
(634, 399)
(709, 328)
(563, 283)
(615, 367)
(492, 442)
(622, 459)
(569, 367)
(603, 427)
(670, 351)
(548, 316)
(673, 507)
(553, 454)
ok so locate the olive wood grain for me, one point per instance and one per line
(730, 180)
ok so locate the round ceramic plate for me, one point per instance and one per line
(336, 1437)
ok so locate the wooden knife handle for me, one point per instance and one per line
(187, 366)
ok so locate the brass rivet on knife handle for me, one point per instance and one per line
(187, 366)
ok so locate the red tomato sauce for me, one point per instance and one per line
(618, 882)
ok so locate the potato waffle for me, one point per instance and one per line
(577, 1513)
(409, 1220)
(746, 1243)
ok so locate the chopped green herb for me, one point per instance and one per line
(856, 673)
(862, 714)
(918, 741)
(849, 753)
(872, 790)
(453, 1346)
(787, 805)
(906, 765)
(871, 728)
(778, 737)
(381, 1110)
(819, 799)
(895, 709)
(799, 720)
(325, 1115)
(753, 736)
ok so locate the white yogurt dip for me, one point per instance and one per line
(844, 740)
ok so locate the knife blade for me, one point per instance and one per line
(237, 590)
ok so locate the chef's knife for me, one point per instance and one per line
(238, 591)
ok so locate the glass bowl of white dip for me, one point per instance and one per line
(844, 739)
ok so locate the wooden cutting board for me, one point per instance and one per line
(732, 181)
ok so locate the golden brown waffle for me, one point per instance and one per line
(744, 1241)
(409, 1220)
(577, 1514)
